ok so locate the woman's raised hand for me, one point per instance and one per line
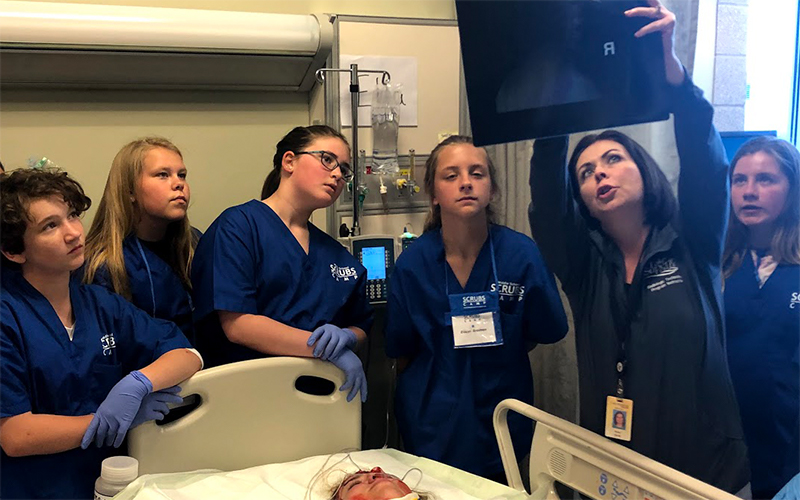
(664, 22)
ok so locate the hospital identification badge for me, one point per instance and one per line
(619, 418)
(475, 319)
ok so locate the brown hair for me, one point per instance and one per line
(659, 203)
(19, 188)
(785, 246)
(117, 216)
(434, 218)
(297, 139)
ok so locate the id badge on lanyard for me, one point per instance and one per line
(475, 317)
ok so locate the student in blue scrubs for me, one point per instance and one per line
(762, 305)
(463, 266)
(268, 282)
(79, 366)
(141, 244)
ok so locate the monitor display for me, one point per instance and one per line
(374, 259)
(540, 68)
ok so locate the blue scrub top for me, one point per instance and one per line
(446, 396)
(43, 372)
(249, 262)
(763, 334)
(155, 287)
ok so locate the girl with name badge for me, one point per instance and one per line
(80, 366)
(268, 282)
(762, 306)
(643, 276)
(467, 302)
(141, 244)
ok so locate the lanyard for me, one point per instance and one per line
(622, 322)
(494, 267)
(149, 274)
(150, 279)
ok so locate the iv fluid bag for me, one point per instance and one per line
(385, 126)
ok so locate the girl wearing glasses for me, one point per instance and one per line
(268, 282)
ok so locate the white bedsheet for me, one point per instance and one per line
(291, 480)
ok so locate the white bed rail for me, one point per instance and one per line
(251, 414)
(589, 463)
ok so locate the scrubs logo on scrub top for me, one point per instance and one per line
(470, 301)
(343, 273)
(795, 300)
(510, 291)
(108, 343)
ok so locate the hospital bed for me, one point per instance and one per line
(258, 432)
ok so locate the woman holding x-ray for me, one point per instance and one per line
(643, 276)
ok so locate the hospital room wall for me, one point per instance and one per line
(227, 139)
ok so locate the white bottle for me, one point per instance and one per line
(115, 474)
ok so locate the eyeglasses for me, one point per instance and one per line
(331, 163)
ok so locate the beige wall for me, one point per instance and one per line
(227, 139)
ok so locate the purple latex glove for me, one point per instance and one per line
(154, 405)
(355, 380)
(116, 413)
(331, 341)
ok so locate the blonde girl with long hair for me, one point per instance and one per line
(140, 244)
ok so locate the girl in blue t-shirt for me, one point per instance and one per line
(762, 304)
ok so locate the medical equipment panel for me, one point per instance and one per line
(376, 253)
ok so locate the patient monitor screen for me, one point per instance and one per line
(374, 259)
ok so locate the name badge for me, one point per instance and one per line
(619, 418)
(475, 319)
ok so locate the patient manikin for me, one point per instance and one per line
(374, 484)
(363, 484)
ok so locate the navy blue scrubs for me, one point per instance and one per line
(446, 396)
(763, 334)
(249, 262)
(155, 287)
(43, 372)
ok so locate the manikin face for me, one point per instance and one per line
(162, 193)
(53, 239)
(462, 186)
(608, 178)
(758, 190)
(372, 485)
(318, 186)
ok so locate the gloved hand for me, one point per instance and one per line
(154, 405)
(116, 413)
(331, 341)
(354, 378)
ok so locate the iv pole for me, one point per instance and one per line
(354, 98)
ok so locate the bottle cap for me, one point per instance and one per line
(120, 469)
